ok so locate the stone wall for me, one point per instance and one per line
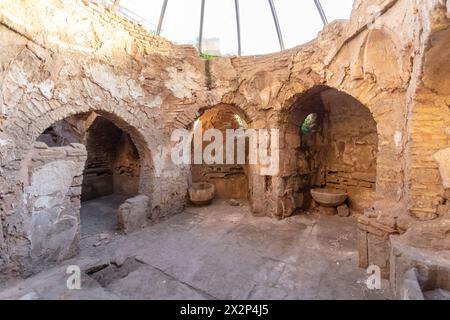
(113, 164)
(52, 200)
(351, 163)
(102, 140)
(90, 59)
(229, 179)
(340, 151)
(50, 72)
(126, 168)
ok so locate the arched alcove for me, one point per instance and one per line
(330, 141)
(230, 180)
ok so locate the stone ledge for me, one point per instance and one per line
(433, 267)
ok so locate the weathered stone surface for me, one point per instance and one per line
(442, 157)
(90, 59)
(343, 211)
(432, 268)
(378, 253)
(434, 235)
(328, 211)
(411, 288)
(133, 214)
(53, 203)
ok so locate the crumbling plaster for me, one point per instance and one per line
(90, 59)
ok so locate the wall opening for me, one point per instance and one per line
(112, 170)
(331, 142)
(230, 180)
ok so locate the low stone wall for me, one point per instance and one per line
(373, 241)
(52, 196)
(432, 269)
(133, 214)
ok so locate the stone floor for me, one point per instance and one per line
(215, 252)
(99, 215)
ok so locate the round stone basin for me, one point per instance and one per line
(201, 193)
(329, 197)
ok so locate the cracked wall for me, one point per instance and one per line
(52, 197)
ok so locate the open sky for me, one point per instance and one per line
(300, 22)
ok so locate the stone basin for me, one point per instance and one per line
(329, 197)
(201, 193)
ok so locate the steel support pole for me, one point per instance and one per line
(238, 26)
(161, 17)
(321, 12)
(200, 33)
(277, 24)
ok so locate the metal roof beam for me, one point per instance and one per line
(200, 32)
(321, 12)
(238, 26)
(161, 17)
(277, 24)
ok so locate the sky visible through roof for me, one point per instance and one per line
(299, 20)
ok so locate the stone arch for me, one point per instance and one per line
(121, 116)
(231, 181)
(128, 125)
(21, 133)
(429, 194)
(224, 106)
(322, 100)
(380, 58)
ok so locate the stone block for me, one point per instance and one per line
(410, 265)
(328, 211)
(132, 215)
(363, 249)
(52, 153)
(2, 239)
(40, 145)
(343, 211)
(442, 157)
(410, 288)
(378, 253)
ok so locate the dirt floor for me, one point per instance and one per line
(215, 252)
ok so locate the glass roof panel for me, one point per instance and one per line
(220, 31)
(145, 12)
(299, 21)
(258, 31)
(337, 9)
(182, 21)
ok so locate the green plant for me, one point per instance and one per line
(208, 57)
(306, 125)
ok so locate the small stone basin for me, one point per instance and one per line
(201, 193)
(329, 197)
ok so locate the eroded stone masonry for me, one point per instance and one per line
(89, 101)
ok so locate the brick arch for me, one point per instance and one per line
(301, 105)
(222, 106)
(292, 103)
(22, 133)
(120, 116)
(380, 58)
(234, 182)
